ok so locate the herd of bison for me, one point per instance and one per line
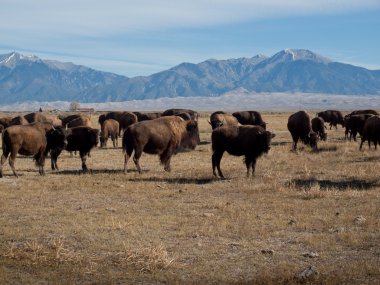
(240, 134)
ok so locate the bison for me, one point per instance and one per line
(220, 118)
(101, 119)
(318, 126)
(371, 131)
(250, 118)
(299, 127)
(173, 112)
(355, 124)
(333, 117)
(81, 139)
(250, 141)
(109, 128)
(31, 141)
(164, 136)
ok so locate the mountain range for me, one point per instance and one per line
(29, 78)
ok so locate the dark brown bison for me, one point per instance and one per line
(173, 112)
(250, 141)
(19, 120)
(333, 117)
(220, 118)
(35, 117)
(124, 118)
(371, 131)
(299, 127)
(147, 116)
(358, 112)
(355, 124)
(250, 118)
(164, 136)
(31, 141)
(109, 129)
(318, 126)
(81, 139)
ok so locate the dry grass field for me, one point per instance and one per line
(300, 210)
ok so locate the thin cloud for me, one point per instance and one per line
(115, 16)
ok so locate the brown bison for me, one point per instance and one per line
(164, 136)
(220, 118)
(81, 139)
(173, 112)
(299, 127)
(318, 126)
(250, 118)
(355, 124)
(371, 131)
(147, 116)
(109, 128)
(250, 141)
(333, 117)
(31, 141)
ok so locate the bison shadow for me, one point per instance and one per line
(342, 185)
(90, 171)
(280, 143)
(204, 142)
(327, 149)
(367, 159)
(199, 181)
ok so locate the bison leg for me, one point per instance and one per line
(250, 163)
(12, 159)
(3, 160)
(165, 158)
(83, 157)
(126, 158)
(361, 144)
(216, 158)
(40, 162)
(136, 159)
(54, 158)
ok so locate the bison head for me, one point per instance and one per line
(56, 138)
(312, 140)
(191, 139)
(265, 138)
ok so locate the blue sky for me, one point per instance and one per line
(143, 37)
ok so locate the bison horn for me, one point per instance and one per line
(208, 122)
(273, 135)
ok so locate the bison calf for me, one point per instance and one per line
(250, 141)
(109, 129)
(318, 126)
(164, 136)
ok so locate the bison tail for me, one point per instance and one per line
(127, 143)
(6, 142)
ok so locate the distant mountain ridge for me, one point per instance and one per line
(28, 78)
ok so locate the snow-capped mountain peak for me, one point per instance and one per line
(298, 54)
(12, 59)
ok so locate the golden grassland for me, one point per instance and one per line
(186, 227)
